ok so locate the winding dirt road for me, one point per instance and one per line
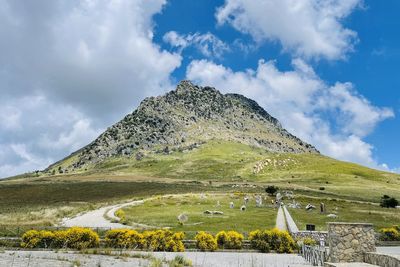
(99, 218)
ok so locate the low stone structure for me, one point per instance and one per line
(349, 242)
(316, 235)
(382, 259)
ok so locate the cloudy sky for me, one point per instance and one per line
(328, 70)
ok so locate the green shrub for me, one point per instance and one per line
(121, 215)
(205, 241)
(388, 202)
(230, 239)
(390, 234)
(271, 190)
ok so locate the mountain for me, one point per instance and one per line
(198, 136)
(184, 119)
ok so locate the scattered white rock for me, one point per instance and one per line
(213, 212)
(182, 218)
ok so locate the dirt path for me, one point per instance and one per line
(98, 218)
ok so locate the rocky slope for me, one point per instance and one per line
(186, 118)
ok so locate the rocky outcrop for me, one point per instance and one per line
(185, 118)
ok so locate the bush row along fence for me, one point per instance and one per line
(18, 231)
(157, 240)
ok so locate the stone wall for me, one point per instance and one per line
(348, 242)
(382, 259)
(316, 235)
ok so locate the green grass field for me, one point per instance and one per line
(163, 212)
(45, 204)
(346, 211)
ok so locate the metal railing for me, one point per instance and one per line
(315, 255)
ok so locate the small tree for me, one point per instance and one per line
(389, 202)
(271, 190)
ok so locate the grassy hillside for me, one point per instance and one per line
(43, 199)
(231, 162)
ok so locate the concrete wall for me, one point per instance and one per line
(382, 259)
(348, 242)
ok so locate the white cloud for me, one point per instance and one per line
(208, 44)
(46, 132)
(70, 68)
(84, 53)
(305, 105)
(306, 28)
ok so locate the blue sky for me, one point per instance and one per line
(326, 69)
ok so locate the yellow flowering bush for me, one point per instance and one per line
(390, 234)
(206, 241)
(260, 240)
(124, 238)
(308, 241)
(59, 239)
(163, 240)
(81, 238)
(33, 239)
(281, 241)
(275, 239)
(230, 239)
(76, 238)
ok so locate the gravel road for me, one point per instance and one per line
(199, 259)
(96, 218)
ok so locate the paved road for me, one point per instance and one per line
(63, 259)
(280, 220)
(199, 259)
(291, 225)
(389, 250)
(95, 218)
(242, 259)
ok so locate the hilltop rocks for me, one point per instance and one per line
(185, 118)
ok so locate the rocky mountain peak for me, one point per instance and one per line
(187, 117)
